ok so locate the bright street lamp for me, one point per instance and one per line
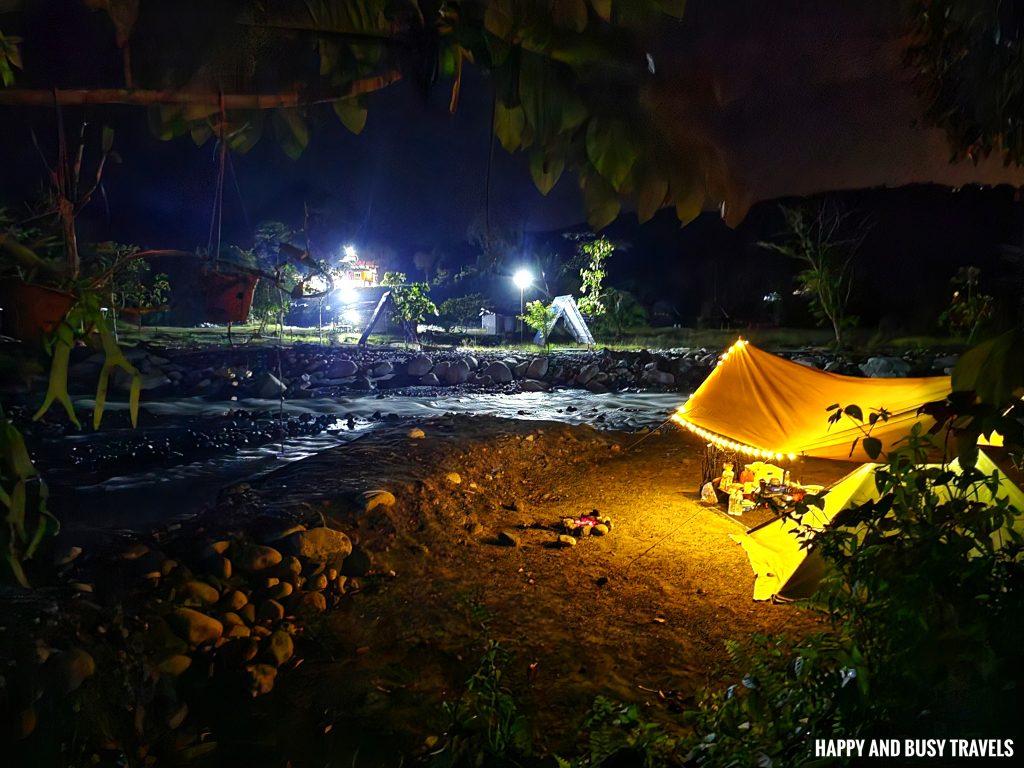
(523, 280)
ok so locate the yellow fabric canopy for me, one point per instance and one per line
(786, 570)
(768, 407)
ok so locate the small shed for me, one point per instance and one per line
(496, 325)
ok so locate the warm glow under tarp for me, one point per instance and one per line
(786, 571)
(765, 406)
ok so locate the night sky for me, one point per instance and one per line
(797, 97)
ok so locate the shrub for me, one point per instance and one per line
(462, 312)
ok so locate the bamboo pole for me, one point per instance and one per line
(145, 98)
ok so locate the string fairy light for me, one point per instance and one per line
(721, 441)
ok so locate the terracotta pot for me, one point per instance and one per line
(31, 311)
(228, 296)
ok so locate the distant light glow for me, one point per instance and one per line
(351, 315)
(317, 283)
(350, 253)
(523, 279)
(346, 294)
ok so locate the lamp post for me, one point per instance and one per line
(523, 280)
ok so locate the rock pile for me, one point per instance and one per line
(315, 371)
(228, 613)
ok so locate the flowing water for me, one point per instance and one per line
(163, 494)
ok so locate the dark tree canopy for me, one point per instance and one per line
(571, 79)
(969, 55)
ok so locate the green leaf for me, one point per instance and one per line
(508, 126)
(108, 139)
(329, 55)
(351, 113)
(246, 136)
(546, 167)
(602, 8)
(993, 369)
(200, 133)
(499, 19)
(689, 207)
(569, 14)
(610, 150)
(854, 412)
(651, 193)
(292, 131)
(600, 200)
(574, 111)
(15, 565)
(675, 8)
(872, 447)
(540, 95)
(167, 121)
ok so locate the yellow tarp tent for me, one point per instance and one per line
(768, 407)
(785, 571)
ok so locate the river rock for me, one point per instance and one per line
(270, 610)
(508, 539)
(532, 385)
(314, 601)
(383, 369)
(498, 372)
(357, 563)
(256, 557)
(280, 591)
(199, 592)
(194, 627)
(280, 646)
(519, 369)
(564, 540)
(320, 544)
(588, 373)
(537, 368)
(377, 498)
(596, 387)
(175, 664)
(261, 678)
(660, 378)
(267, 386)
(419, 366)
(441, 369)
(341, 369)
(429, 380)
(73, 668)
(457, 373)
(885, 367)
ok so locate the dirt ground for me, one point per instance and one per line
(638, 615)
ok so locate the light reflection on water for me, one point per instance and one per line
(144, 498)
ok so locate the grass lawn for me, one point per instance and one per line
(636, 338)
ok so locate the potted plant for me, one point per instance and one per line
(50, 293)
(229, 283)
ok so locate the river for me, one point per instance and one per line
(160, 495)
